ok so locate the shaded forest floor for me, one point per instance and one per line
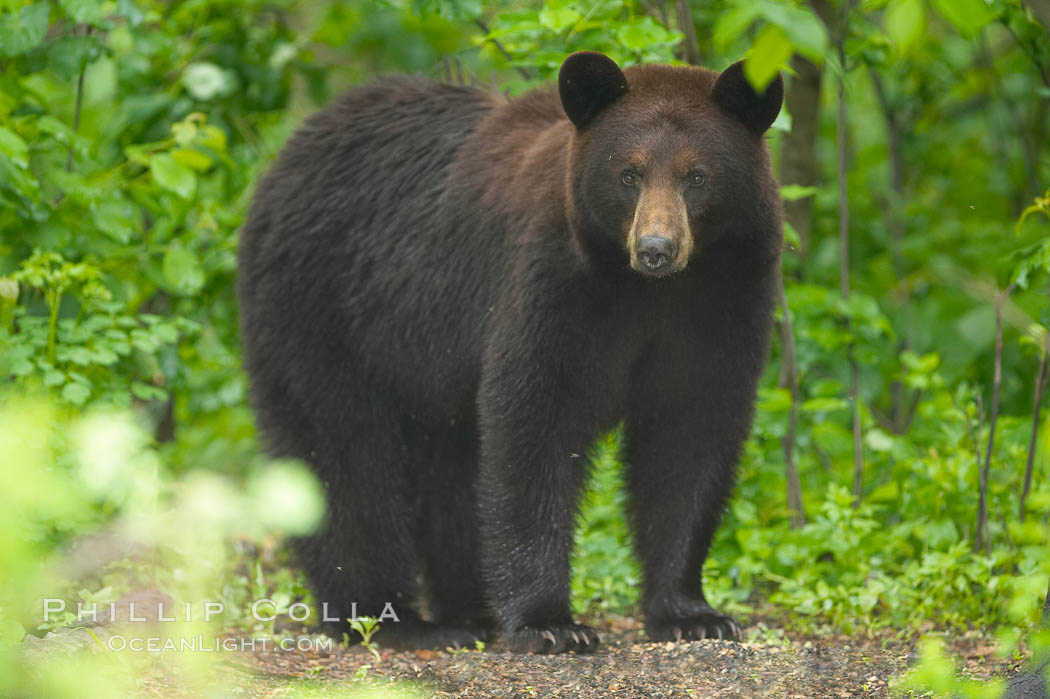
(772, 664)
(625, 666)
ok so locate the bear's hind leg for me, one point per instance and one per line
(448, 533)
(363, 561)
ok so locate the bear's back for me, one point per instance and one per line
(347, 242)
(369, 161)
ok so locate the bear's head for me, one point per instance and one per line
(666, 160)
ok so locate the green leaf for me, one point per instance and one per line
(968, 16)
(21, 367)
(117, 217)
(287, 497)
(774, 400)
(449, 9)
(104, 356)
(877, 440)
(643, 34)
(76, 393)
(925, 364)
(22, 32)
(143, 341)
(8, 291)
(214, 138)
(83, 11)
(769, 54)
(794, 192)
(824, 405)
(130, 11)
(11, 633)
(182, 270)
(144, 391)
(173, 176)
(791, 236)
(732, 23)
(50, 125)
(905, 22)
(79, 355)
(204, 80)
(54, 377)
(558, 16)
(12, 145)
(68, 55)
(804, 30)
(184, 132)
(165, 332)
(940, 533)
(193, 159)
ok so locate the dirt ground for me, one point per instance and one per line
(625, 666)
(771, 664)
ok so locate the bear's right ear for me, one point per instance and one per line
(589, 82)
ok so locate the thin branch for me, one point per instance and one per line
(798, 151)
(789, 379)
(1041, 10)
(898, 229)
(841, 136)
(896, 153)
(685, 24)
(76, 109)
(1040, 386)
(982, 539)
(1041, 379)
(971, 431)
(499, 47)
(1027, 51)
(658, 8)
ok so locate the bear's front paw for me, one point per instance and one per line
(560, 638)
(709, 624)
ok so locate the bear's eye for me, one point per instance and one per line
(629, 177)
(696, 179)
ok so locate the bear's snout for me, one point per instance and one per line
(655, 252)
(659, 241)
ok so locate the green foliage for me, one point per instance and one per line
(69, 475)
(936, 676)
(103, 350)
(367, 627)
(786, 28)
(605, 574)
(539, 39)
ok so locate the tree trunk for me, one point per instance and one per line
(798, 165)
(1033, 441)
(899, 414)
(789, 380)
(844, 266)
(685, 24)
(1041, 10)
(798, 148)
(981, 539)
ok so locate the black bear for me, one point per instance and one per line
(446, 295)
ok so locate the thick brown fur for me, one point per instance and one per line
(443, 306)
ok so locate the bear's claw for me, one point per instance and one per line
(551, 639)
(710, 624)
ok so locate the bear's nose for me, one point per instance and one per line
(656, 251)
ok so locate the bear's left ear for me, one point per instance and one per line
(735, 96)
(589, 82)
